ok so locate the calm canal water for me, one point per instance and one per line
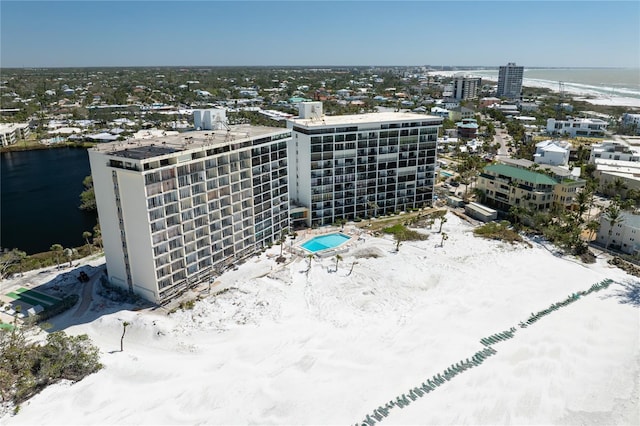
(39, 199)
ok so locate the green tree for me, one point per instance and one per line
(338, 259)
(86, 235)
(443, 220)
(88, 196)
(613, 216)
(9, 259)
(57, 250)
(445, 237)
(68, 253)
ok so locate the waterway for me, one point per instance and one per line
(39, 199)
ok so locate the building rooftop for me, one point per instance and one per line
(374, 117)
(521, 174)
(140, 149)
(524, 163)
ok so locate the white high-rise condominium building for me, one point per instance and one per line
(175, 211)
(510, 81)
(361, 165)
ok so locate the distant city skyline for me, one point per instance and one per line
(307, 33)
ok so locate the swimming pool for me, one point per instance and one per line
(445, 174)
(325, 242)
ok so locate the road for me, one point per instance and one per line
(503, 138)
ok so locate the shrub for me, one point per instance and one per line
(27, 368)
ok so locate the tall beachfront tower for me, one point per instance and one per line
(465, 87)
(176, 211)
(510, 81)
(358, 166)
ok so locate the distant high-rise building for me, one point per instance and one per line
(510, 81)
(465, 87)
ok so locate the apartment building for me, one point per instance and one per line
(361, 165)
(510, 78)
(505, 186)
(568, 182)
(175, 211)
(622, 236)
(11, 133)
(573, 127)
(465, 87)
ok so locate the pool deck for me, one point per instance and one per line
(353, 232)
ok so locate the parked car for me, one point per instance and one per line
(83, 277)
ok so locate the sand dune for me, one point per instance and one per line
(284, 347)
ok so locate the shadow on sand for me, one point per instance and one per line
(629, 294)
(94, 300)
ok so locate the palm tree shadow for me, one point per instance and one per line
(628, 293)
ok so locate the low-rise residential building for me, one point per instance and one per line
(552, 152)
(573, 127)
(467, 128)
(461, 113)
(613, 151)
(440, 112)
(632, 122)
(568, 180)
(507, 185)
(623, 235)
(11, 133)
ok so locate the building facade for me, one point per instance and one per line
(622, 235)
(510, 81)
(552, 152)
(11, 133)
(360, 166)
(573, 127)
(505, 186)
(631, 122)
(465, 87)
(176, 211)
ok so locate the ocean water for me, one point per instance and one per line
(618, 82)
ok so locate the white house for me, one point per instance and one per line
(587, 127)
(552, 152)
(622, 236)
(631, 120)
(11, 133)
(613, 150)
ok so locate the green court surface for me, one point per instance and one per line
(38, 295)
(33, 297)
(4, 326)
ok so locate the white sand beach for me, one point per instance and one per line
(580, 92)
(280, 346)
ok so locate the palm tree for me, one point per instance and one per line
(593, 227)
(444, 238)
(125, 324)
(443, 219)
(68, 253)
(613, 215)
(86, 235)
(57, 249)
(97, 236)
(338, 259)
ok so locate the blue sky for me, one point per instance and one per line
(218, 33)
